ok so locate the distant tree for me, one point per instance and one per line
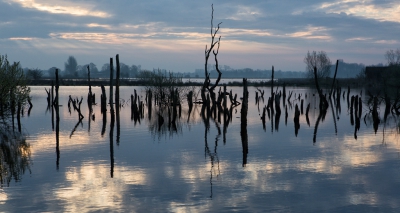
(134, 70)
(52, 72)
(320, 60)
(94, 72)
(83, 71)
(71, 67)
(105, 71)
(105, 67)
(362, 74)
(124, 70)
(34, 74)
(93, 68)
(393, 57)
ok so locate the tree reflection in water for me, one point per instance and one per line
(213, 156)
(15, 155)
(163, 124)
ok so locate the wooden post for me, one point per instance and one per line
(272, 89)
(117, 98)
(57, 122)
(52, 92)
(111, 89)
(103, 99)
(224, 105)
(117, 83)
(301, 105)
(348, 96)
(272, 81)
(334, 77)
(89, 100)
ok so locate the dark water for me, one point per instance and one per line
(200, 169)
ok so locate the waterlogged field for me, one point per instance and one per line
(202, 165)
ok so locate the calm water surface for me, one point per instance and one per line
(200, 169)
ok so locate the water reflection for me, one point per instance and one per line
(112, 146)
(213, 157)
(168, 171)
(88, 190)
(15, 155)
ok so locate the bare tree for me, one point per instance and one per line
(393, 57)
(321, 61)
(34, 74)
(214, 48)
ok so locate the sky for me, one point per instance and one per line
(173, 34)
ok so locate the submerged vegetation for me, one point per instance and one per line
(15, 156)
(14, 94)
(14, 91)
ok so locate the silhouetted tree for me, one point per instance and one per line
(82, 70)
(105, 70)
(124, 69)
(51, 72)
(34, 74)
(207, 86)
(71, 66)
(321, 61)
(135, 70)
(393, 57)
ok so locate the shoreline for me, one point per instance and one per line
(297, 82)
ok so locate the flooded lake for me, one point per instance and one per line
(344, 165)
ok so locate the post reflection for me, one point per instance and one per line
(296, 120)
(321, 116)
(57, 108)
(243, 123)
(112, 146)
(213, 156)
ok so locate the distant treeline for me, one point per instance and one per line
(345, 70)
(250, 73)
(348, 70)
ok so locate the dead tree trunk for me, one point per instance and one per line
(57, 122)
(111, 90)
(214, 48)
(334, 78)
(103, 99)
(243, 123)
(323, 103)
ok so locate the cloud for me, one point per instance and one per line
(365, 9)
(246, 13)
(62, 7)
(21, 38)
(312, 32)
